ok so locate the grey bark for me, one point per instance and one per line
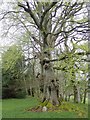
(50, 85)
(78, 95)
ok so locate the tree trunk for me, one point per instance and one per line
(66, 98)
(75, 94)
(50, 84)
(78, 95)
(85, 93)
(26, 89)
(69, 97)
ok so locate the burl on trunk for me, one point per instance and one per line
(50, 83)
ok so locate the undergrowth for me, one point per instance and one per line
(79, 109)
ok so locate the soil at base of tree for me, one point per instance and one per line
(40, 109)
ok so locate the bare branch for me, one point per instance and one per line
(6, 13)
(36, 40)
(31, 35)
(28, 10)
(45, 12)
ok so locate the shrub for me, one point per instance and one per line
(8, 93)
(12, 93)
(20, 93)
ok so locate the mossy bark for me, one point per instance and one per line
(50, 83)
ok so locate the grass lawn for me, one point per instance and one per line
(17, 108)
(0, 109)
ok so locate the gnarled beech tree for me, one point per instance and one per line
(49, 24)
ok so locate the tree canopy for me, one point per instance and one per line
(55, 34)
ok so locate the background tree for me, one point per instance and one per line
(12, 81)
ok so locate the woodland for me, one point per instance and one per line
(46, 57)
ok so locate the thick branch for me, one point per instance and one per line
(28, 10)
(45, 12)
(64, 57)
(36, 40)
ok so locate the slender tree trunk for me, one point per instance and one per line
(26, 89)
(30, 90)
(78, 95)
(75, 94)
(23, 77)
(65, 97)
(69, 97)
(85, 94)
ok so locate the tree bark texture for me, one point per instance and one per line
(85, 94)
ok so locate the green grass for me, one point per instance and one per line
(0, 109)
(17, 108)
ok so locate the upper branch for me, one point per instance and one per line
(45, 12)
(28, 10)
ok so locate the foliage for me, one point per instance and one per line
(67, 106)
(75, 67)
(43, 29)
(12, 71)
